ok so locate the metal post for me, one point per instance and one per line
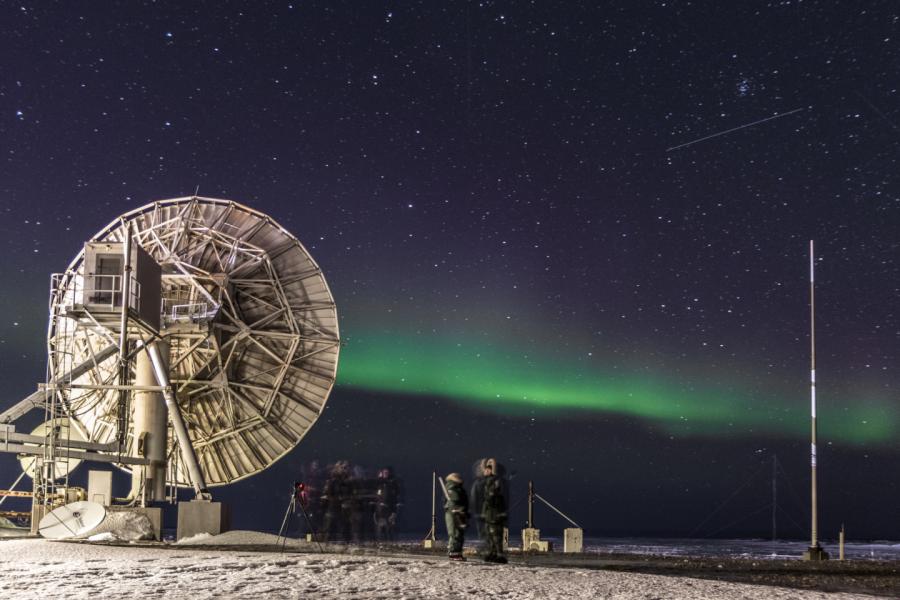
(774, 497)
(815, 551)
(122, 417)
(431, 537)
(433, 504)
(812, 393)
(841, 550)
(184, 442)
(530, 505)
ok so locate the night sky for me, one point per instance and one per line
(530, 258)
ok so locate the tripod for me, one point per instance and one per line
(286, 522)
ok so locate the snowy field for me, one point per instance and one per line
(37, 568)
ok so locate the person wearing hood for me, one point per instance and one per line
(493, 514)
(456, 515)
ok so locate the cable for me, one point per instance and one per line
(791, 519)
(735, 522)
(803, 507)
(727, 500)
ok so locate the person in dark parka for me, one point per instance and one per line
(493, 514)
(456, 515)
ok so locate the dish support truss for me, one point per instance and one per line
(251, 328)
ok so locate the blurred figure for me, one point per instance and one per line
(477, 499)
(387, 504)
(493, 513)
(354, 504)
(313, 477)
(335, 499)
(350, 504)
(456, 516)
(476, 496)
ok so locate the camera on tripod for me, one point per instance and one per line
(299, 502)
(300, 493)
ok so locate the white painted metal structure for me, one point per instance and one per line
(250, 323)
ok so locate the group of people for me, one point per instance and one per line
(488, 502)
(343, 501)
(346, 502)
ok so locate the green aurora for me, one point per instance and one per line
(508, 382)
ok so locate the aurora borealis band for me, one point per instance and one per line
(510, 382)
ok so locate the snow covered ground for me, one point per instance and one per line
(37, 568)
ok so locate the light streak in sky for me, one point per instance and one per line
(727, 131)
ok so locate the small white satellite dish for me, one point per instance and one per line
(66, 432)
(71, 520)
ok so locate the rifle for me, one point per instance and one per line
(457, 516)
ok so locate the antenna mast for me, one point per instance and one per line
(815, 551)
(812, 393)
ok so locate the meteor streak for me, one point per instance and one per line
(709, 137)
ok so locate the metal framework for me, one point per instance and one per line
(250, 323)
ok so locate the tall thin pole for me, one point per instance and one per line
(122, 415)
(530, 505)
(812, 393)
(841, 543)
(774, 497)
(433, 505)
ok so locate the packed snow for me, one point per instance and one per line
(200, 538)
(37, 568)
(233, 538)
(121, 526)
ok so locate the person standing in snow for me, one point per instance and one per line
(456, 515)
(493, 514)
(476, 498)
(387, 503)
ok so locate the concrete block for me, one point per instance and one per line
(201, 516)
(530, 536)
(573, 540)
(152, 513)
(532, 542)
(38, 511)
(815, 554)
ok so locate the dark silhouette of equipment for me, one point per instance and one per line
(299, 499)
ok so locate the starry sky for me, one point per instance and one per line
(539, 245)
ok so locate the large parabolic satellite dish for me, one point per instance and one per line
(250, 322)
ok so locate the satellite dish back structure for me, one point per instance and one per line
(71, 434)
(251, 326)
(71, 520)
